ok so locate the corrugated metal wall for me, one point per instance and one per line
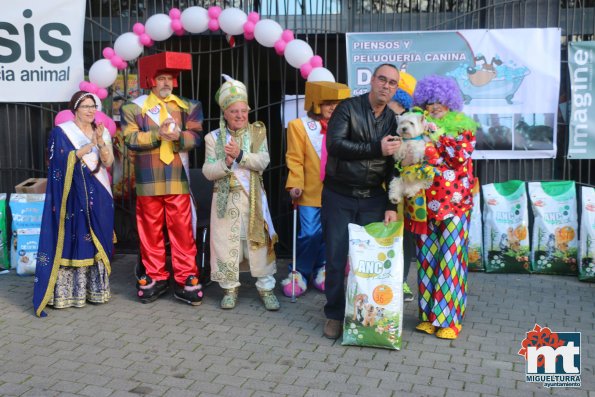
(322, 23)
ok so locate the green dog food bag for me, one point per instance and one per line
(4, 258)
(374, 296)
(555, 239)
(586, 267)
(505, 227)
(475, 248)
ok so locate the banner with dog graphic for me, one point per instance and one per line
(581, 58)
(374, 296)
(509, 80)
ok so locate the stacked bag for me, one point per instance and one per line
(4, 258)
(554, 248)
(27, 211)
(586, 270)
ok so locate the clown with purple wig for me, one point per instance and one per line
(442, 247)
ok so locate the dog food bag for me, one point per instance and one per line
(555, 237)
(26, 251)
(586, 267)
(374, 296)
(26, 210)
(505, 227)
(475, 250)
(4, 259)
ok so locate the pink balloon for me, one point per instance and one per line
(305, 70)
(176, 25)
(146, 40)
(253, 17)
(108, 53)
(287, 35)
(63, 116)
(280, 47)
(123, 65)
(101, 93)
(213, 25)
(92, 88)
(116, 60)
(249, 36)
(249, 27)
(180, 32)
(174, 13)
(107, 122)
(138, 28)
(316, 61)
(84, 85)
(214, 12)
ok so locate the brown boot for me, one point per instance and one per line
(332, 329)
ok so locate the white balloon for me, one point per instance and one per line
(103, 73)
(298, 52)
(128, 46)
(321, 74)
(267, 32)
(232, 21)
(158, 27)
(195, 19)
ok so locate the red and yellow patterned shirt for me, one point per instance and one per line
(450, 194)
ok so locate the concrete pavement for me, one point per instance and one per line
(168, 348)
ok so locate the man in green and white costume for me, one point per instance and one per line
(241, 224)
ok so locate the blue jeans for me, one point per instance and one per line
(310, 252)
(337, 212)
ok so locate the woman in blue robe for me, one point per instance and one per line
(77, 238)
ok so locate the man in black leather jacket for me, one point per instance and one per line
(360, 144)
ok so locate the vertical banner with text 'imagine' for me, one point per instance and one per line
(581, 55)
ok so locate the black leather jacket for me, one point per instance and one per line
(355, 166)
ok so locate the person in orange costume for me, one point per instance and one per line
(306, 157)
(161, 128)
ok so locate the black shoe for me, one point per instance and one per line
(190, 293)
(149, 290)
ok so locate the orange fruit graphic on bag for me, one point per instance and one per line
(382, 294)
(564, 234)
(473, 255)
(521, 232)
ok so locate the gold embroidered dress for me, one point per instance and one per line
(239, 207)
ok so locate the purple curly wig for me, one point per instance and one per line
(440, 89)
(403, 98)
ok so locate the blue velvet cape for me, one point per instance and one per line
(78, 219)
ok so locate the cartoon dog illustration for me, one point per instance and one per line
(369, 315)
(484, 75)
(359, 302)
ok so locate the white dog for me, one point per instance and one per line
(411, 129)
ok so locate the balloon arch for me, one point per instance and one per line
(159, 27)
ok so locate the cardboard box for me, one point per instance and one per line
(32, 185)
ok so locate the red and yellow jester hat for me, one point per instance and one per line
(152, 66)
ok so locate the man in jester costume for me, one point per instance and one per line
(442, 244)
(161, 128)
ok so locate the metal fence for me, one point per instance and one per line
(323, 24)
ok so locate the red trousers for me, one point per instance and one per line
(151, 214)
